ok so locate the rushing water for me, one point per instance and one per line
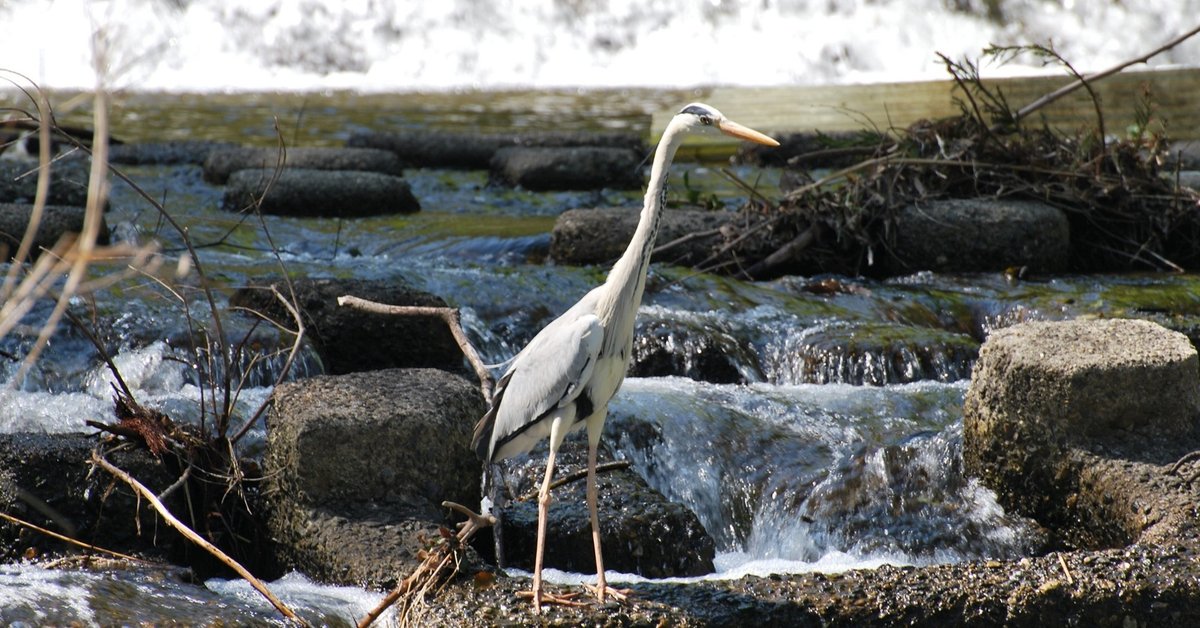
(808, 427)
(38, 596)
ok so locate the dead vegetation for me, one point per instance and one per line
(218, 490)
(1124, 205)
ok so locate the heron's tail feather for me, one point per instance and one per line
(481, 441)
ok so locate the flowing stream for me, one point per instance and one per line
(811, 423)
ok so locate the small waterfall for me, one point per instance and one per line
(875, 353)
(805, 473)
(909, 501)
(705, 346)
(252, 362)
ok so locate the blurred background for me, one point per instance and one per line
(376, 45)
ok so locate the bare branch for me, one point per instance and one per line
(448, 314)
(1082, 81)
(192, 536)
(582, 473)
(783, 254)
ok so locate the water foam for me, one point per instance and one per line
(297, 591)
(43, 596)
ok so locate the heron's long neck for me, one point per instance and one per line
(627, 279)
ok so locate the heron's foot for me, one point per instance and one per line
(604, 592)
(542, 597)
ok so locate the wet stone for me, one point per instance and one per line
(600, 235)
(56, 221)
(55, 471)
(641, 531)
(1087, 379)
(566, 168)
(874, 354)
(438, 149)
(220, 164)
(179, 152)
(357, 467)
(319, 193)
(1051, 402)
(980, 235)
(68, 181)
(696, 349)
(350, 339)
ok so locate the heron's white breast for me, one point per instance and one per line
(606, 380)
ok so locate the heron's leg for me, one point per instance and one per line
(594, 511)
(557, 433)
(595, 428)
(543, 512)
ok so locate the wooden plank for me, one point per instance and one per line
(837, 108)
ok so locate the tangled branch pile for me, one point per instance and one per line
(1126, 211)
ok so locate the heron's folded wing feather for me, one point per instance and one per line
(549, 373)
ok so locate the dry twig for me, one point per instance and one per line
(428, 573)
(66, 539)
(299, 332)
(1062, 562)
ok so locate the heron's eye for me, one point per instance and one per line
(706, 120)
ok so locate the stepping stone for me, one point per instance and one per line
(439, 149)
(68, 181)
(357, 467)
(600, 235)
(320, 193)
(980, 235)
(56, 221)
(220, 164)
(349, 339)
(641, 531)
(1041, 388)
(171, 153)
(567, 168)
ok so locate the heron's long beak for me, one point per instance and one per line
(729, 127)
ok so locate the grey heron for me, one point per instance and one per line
(564, 378)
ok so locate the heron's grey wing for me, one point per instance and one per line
(548, 374)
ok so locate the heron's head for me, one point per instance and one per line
(704, 118)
